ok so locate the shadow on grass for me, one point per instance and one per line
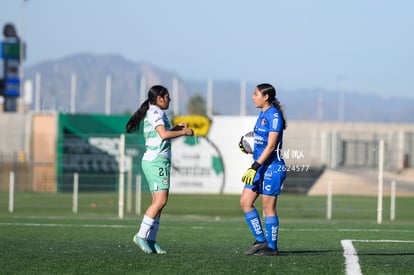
(387, 254)
(311, 252)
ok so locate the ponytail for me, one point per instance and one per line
(277, 105)
(136, 118)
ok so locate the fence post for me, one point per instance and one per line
(242, 98)
(138, 195)
(75, 193)
(11, 192)
(392, 201)
(108, 95)
(121, 191)
(129, 186)
(380, 180)
(329, 201)
(73, 93)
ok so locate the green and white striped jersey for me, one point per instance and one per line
(155, 145)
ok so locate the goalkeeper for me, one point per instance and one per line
(266, 175)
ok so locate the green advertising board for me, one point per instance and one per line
(89, 145)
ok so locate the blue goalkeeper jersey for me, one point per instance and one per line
(268, 121)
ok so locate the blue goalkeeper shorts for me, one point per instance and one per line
(269, 179)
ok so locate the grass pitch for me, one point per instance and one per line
(203, 234)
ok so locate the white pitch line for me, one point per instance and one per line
(351, 258)
(382, 241)
(66, 225)
(352, 266)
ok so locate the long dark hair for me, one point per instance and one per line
(268, 89)
(136, 118)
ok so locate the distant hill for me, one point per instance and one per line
(92, 70)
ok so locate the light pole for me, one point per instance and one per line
(22, 52)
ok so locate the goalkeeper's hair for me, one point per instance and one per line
(136, 118)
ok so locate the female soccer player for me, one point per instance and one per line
(266, 175)
(156, 161)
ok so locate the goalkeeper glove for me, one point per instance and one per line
(249, 175)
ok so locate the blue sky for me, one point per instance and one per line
(364, 46)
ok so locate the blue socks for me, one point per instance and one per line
(253, 220)
(271, 225)
(272, 229)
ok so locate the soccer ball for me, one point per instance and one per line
(247, 142)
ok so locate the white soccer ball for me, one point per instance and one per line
(248, 142)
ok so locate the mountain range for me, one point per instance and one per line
(126, 77)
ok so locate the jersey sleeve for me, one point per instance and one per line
(275, 122)
(155, 117)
